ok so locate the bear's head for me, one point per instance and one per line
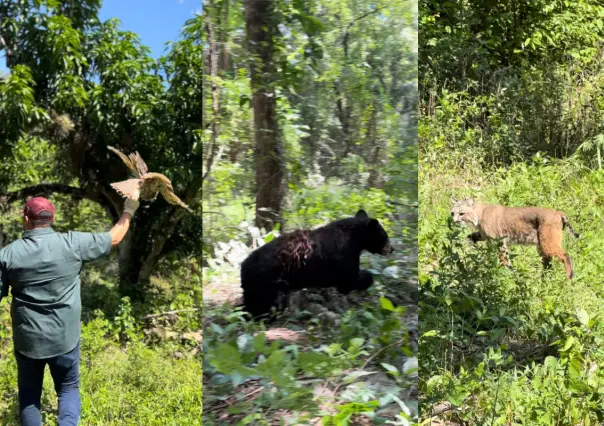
(375, 237)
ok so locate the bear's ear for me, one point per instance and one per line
(361, 214)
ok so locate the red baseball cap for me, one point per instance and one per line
(36, 205)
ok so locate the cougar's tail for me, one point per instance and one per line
(566, 225)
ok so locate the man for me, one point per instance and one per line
(43, 270)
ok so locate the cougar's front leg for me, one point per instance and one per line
(504, 254)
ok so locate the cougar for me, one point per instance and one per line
(517, 225)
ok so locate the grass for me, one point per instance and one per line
(519, 346)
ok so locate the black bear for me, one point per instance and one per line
(328, 256)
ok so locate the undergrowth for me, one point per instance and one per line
(333, 362)
(520, 346)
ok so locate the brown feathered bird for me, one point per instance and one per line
(146, 185)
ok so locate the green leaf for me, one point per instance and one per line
(316, 364)
(260, 342)
(356, 343)
(583, 317)
(311, 24)
(390, 368)
(457, 397)
(225, 358)
(579, 385)
(570, 340)
(551, 363)
(386, 304)
(275, 368)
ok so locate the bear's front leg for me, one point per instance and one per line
(363, 281)
(259, 302)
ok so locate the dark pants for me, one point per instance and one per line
(65, 371)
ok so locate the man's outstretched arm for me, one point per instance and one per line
(119, 230)
(92, 245)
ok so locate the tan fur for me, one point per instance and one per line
(517, 225)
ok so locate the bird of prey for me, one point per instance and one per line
(145, 185)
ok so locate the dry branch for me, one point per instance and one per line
(177, 311)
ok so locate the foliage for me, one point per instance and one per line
(76, 85)
(502, 82)
(290, 375)
(346, 116)
(344, 78)
(492, 339)
(511, 113)
(240, 358)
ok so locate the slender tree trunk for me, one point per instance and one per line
(344, 113)
(146, 242)
(260, 25)
(223, 37)
(212, 65)
(375, 175)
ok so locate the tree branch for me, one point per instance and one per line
(8, 51)
(371, 12)
(412, 206)
(44, 190)
(441, 409)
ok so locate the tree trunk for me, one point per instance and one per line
(260, 25)
(344, 113)
(212, 65)
(151, 231)
(223, 37)
(376, 163)
(142, 248)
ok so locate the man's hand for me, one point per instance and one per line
(130, 206)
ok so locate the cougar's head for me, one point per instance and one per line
(464, 212)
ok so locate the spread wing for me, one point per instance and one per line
(140, 165)
(172, 198)
(163, 184)
(132, 165)
(130, 188)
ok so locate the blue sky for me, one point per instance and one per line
(155, 21)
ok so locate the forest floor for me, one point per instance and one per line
(359, 385)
